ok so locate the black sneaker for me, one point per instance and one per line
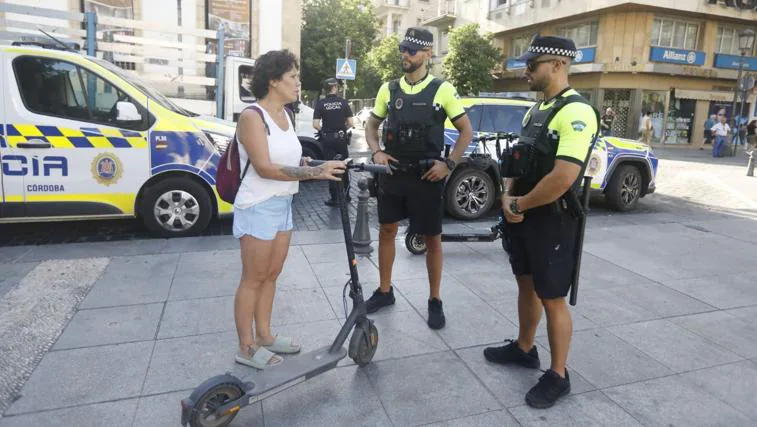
(511, 353)
(380, 299)
(330, 202)
(550, 388)
(435, 314)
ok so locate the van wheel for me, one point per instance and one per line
(624, 189)
(469, 194)
(176, 207)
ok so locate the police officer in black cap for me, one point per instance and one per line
(558, 135)
(415, 108)
(331, 117)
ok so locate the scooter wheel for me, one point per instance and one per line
(363, 345)
(415, 243)
(205, 413)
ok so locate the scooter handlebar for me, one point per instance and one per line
(373, 168)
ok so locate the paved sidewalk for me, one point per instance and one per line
(116, 333)
(664, 333)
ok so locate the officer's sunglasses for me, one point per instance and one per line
(411, 52)
(533, 65)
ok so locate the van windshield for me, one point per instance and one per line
(151, 93)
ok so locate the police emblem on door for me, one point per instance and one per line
(107, 169)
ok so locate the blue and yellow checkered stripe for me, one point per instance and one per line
(60, 137)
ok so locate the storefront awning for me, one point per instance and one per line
(704, 95)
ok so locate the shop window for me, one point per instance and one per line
(584, 35)
(620, 102)
(653, 102)
(680, 120)
(728, 41)
(675, 34)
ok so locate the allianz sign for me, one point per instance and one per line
(738, 4)
(672, 55)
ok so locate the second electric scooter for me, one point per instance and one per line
(216, 401)
(416, 244)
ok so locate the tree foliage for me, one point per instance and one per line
(384, 59)
(326, 26)
(470, 60)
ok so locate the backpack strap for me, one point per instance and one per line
(267, 130)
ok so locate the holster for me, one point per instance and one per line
(572, 204)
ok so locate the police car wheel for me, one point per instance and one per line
(176, 207)
(624, 189)
(469, 194)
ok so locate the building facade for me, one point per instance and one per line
(677, 59)
(396, 16)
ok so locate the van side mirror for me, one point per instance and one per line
(127, 112)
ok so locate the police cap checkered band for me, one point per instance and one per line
(550, 45)
(544, 50)
(417, 38)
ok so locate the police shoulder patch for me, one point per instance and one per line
(578, 125)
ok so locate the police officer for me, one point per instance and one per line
(560, 132)
(331, 117)
(415, 108)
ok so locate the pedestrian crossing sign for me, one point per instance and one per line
(345, 69)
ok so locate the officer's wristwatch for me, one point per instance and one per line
(450, 163)
(514, 207)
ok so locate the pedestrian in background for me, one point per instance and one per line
(721, 131)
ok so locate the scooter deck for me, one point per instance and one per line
(469, 237)
(293, 370)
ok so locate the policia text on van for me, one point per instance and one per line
(82, 139)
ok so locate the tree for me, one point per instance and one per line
(470, 60)
(326, 26)
(384, 59)
(381, 64)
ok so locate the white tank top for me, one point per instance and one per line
(283, 149)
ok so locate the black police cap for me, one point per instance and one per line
(417, 38)
(549, 45)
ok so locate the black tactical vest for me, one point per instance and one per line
(415, 125)
(536, 133)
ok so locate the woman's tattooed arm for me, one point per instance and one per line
(301, 172)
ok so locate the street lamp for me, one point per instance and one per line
(746, 44)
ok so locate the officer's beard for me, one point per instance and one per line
(538, 85)
(409, 67)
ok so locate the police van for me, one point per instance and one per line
(82, 139)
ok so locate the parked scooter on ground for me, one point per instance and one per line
(216, 401)
(416, 244)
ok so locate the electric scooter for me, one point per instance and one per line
(416, 244)
(216, 401)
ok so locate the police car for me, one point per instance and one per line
(623, 170)
(82, 139)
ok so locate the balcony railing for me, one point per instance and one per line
(447, 8)
(445, 15)
(392, 3)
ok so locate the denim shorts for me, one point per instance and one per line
(263, 220)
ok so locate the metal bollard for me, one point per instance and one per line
(752, 160)
(361, 237)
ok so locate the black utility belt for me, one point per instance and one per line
(337, 134)
(420, 165)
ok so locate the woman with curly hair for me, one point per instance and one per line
(263, 205)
